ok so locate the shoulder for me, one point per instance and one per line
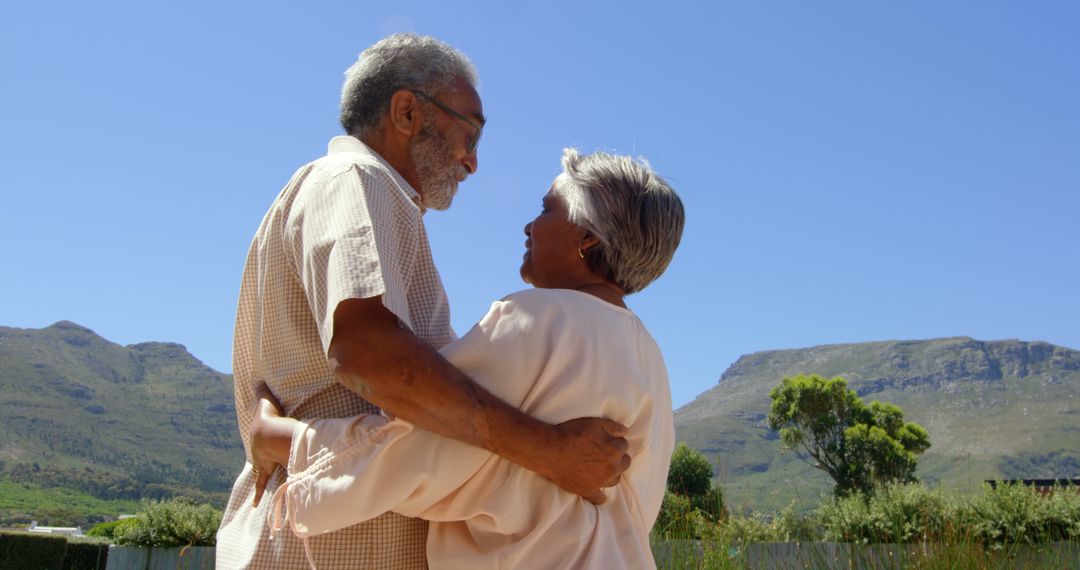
(524, 310)
(352, 165)
(347, 157)
(545, 307)
(349, 184)
(529, 297)
(566, 300)
(537, 301)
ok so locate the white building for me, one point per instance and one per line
(61, 530)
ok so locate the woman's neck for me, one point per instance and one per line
(605, 291)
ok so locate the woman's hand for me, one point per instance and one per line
(271, 439)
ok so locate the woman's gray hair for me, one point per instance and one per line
(401, 61)
(635, 214)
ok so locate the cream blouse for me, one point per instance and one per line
(557, 355)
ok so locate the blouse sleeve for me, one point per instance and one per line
(349, 470)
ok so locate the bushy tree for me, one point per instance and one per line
(691, 499)
(690, 473)
(105, 529)
(860, 446)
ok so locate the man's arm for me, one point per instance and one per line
(389, 366)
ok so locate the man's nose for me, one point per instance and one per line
(528, 229)
(470, 162)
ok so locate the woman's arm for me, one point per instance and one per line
(403, 469)
(349, 470)
(345, 471)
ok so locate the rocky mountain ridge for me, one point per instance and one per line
(116, 422)
(993, 408)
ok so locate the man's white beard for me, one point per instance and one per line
(436, 169)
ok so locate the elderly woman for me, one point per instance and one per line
(567, 348)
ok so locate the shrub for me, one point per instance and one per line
(896, 513)
(678, 519)
(31, 550)
(711, 504)
(170, 523)
(786, 526)
(690, 501)
(792, 525)
(690, 472)
(106, 529)
(744, 529)
(1013, 514)
(1009, 514)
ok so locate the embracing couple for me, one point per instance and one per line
(540, 439)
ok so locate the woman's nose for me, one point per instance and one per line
(528, 229)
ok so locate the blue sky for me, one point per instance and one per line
(852, 171)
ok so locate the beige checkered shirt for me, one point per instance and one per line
(346, 226)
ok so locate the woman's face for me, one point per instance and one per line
(551, 258)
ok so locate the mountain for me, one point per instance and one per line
(78, 412)
(1000, 409)
(84, 420)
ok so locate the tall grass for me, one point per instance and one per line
(906, 526)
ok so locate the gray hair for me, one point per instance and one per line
(635, 214)
(401, 61)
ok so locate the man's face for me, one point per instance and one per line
(444, 152)
(438, 174)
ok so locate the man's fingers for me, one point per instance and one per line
(613, 428)
(624, 464)
(596, 497)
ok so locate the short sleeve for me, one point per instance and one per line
(349, 238)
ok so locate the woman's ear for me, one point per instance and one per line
(405, 115)
(588, 242)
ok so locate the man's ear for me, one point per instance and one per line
(405, 114)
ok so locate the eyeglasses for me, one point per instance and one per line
(475, 140)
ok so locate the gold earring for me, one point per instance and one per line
(580, 254)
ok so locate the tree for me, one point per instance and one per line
(690, 473)
(691, 498)
(860, 446)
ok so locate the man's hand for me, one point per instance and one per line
(271, 439)
(590, 454)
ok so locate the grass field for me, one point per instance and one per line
(20, 503)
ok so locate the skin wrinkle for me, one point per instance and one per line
(397, 393)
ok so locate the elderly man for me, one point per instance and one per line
(339, 292)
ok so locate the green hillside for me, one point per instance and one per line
(82, 415)
(87, 426)
(1002, 409)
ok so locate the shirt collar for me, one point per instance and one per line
(347, 143)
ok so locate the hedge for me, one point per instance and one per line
(86, 556)
(31, 551)
(39, 551)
